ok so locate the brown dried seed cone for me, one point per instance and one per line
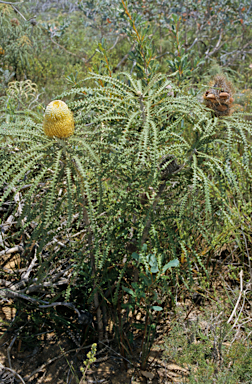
(219, 97)
(14, 22)
(58, 120)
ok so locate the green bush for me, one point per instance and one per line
(147, 172)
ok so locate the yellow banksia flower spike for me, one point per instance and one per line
(58, 120)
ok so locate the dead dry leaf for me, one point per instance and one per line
(148, 375)
(175, 367)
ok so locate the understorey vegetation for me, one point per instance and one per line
(125, 205)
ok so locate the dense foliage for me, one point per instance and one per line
(135, 205)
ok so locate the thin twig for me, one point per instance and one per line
(73, 54)
(238, 316)
(69, 305)
(217, 46)
(9, 350)
(8, 3)
(26, 275)
(124, 58)
(56, 358)
(70, 53)
(239, 298)
(7, 293)
(12, 371)
(33, 288)
(115, 43)
(49, 362)
(118, 354)
(246, 244)
(17, 249)
(92, 262)
(16, 10)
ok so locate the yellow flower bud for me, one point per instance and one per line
(58, 120)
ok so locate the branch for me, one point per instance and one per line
(55, 358)
(124, 58)
(26, 274)
(17, 249)
(6, 2)
(70, 53)
(115, 43)
(162, 54)
(13, 6)
(7, 293)
(73, 54)
(2, 367)
(239, 298)
(9, 349)
(171, 169)
(238, 52)
(217, 46)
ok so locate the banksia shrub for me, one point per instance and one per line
(58, 120)
(219, 96)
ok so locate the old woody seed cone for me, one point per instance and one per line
(58, 120)
(219, 97)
